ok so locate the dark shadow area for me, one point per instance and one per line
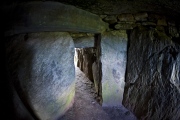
(6, 95)
(15, 52)
(176, 40)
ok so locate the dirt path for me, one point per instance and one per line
(86, 108)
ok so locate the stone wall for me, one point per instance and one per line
(152, 89)
(114, 50)
(40, 67)
(128, 21)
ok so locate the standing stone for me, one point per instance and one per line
(114, 48)
(96, 77)
(152, 89)
(42, 71)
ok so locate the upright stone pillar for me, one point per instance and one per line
(114, 49)
(152, 90)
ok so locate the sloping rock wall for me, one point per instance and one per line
(41, 69)
(86, 57)
(152, 89)
(114, 50)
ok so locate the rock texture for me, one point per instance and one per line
(152, 89)
(128, 21)
(41, 69)
(38, 16)
(112, 7)
(84, 42)
(114, 49)
(85, 59)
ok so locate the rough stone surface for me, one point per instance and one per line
(97, 68)
(127, 21)
(123, 26)
(76, 35)
(149, 23)
(112, 7)
(160, 28)
(96, 76)
(85, 59)
(126, 17)
(162, 22)
(152, 89)
(173, 31)
(84, 42)
(42, 72)
(141, 16)
(38, 16)
(102, 16)
(110, 19)
(114, 48)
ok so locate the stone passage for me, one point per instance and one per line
(87, 108)
(86, 58)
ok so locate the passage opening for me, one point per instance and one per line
(87, 60)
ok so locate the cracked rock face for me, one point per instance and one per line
(152, 89)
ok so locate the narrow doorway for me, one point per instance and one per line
(87, 60)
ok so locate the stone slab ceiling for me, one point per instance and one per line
(169, 7)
